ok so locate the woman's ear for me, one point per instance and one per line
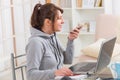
(48, 22)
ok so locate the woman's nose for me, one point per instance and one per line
(62, 21)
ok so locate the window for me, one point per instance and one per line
(14, 28)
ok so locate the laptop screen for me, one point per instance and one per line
(105, 54)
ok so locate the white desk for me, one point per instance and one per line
(84, 58)
(77, 77)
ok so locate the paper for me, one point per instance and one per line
(76, 77)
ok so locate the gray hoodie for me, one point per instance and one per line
(45, 55)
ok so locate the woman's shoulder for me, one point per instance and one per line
(35, 40)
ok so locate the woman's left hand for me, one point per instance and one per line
(74, 33)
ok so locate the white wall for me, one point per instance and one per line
(112, 7)
(6, 42)
(116, 7)
(108, 6)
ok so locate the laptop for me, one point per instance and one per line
(103, 60)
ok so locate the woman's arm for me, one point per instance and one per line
(68, 55)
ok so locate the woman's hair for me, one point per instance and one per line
(42, 12)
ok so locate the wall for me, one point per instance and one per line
(108, 6)
(116, 7)
(112, 7)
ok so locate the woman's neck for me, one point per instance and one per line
(48, 31)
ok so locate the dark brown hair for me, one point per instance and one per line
(42, 12)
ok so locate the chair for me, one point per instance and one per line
(15, 67)
(107, 26)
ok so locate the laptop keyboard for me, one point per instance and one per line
(87, 67)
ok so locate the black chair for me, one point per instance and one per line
(15, 67)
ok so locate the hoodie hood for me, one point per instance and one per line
(35, 33)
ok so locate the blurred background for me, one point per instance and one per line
(15, 23)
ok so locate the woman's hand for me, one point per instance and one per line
(74, 33)
(63, 72)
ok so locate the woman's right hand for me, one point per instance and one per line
(63, 72)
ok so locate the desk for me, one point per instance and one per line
(106, 73)
(77, 77)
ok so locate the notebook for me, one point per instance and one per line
(103, 60)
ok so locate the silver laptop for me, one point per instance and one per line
(103, 60)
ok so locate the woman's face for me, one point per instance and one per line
(58, 22)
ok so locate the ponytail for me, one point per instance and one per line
(35, 14)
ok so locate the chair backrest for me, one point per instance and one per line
(107, 26)
(15, 67)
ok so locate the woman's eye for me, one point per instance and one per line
(59, 17)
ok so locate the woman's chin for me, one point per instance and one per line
(59, 30)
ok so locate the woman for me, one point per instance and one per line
(45, 55)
